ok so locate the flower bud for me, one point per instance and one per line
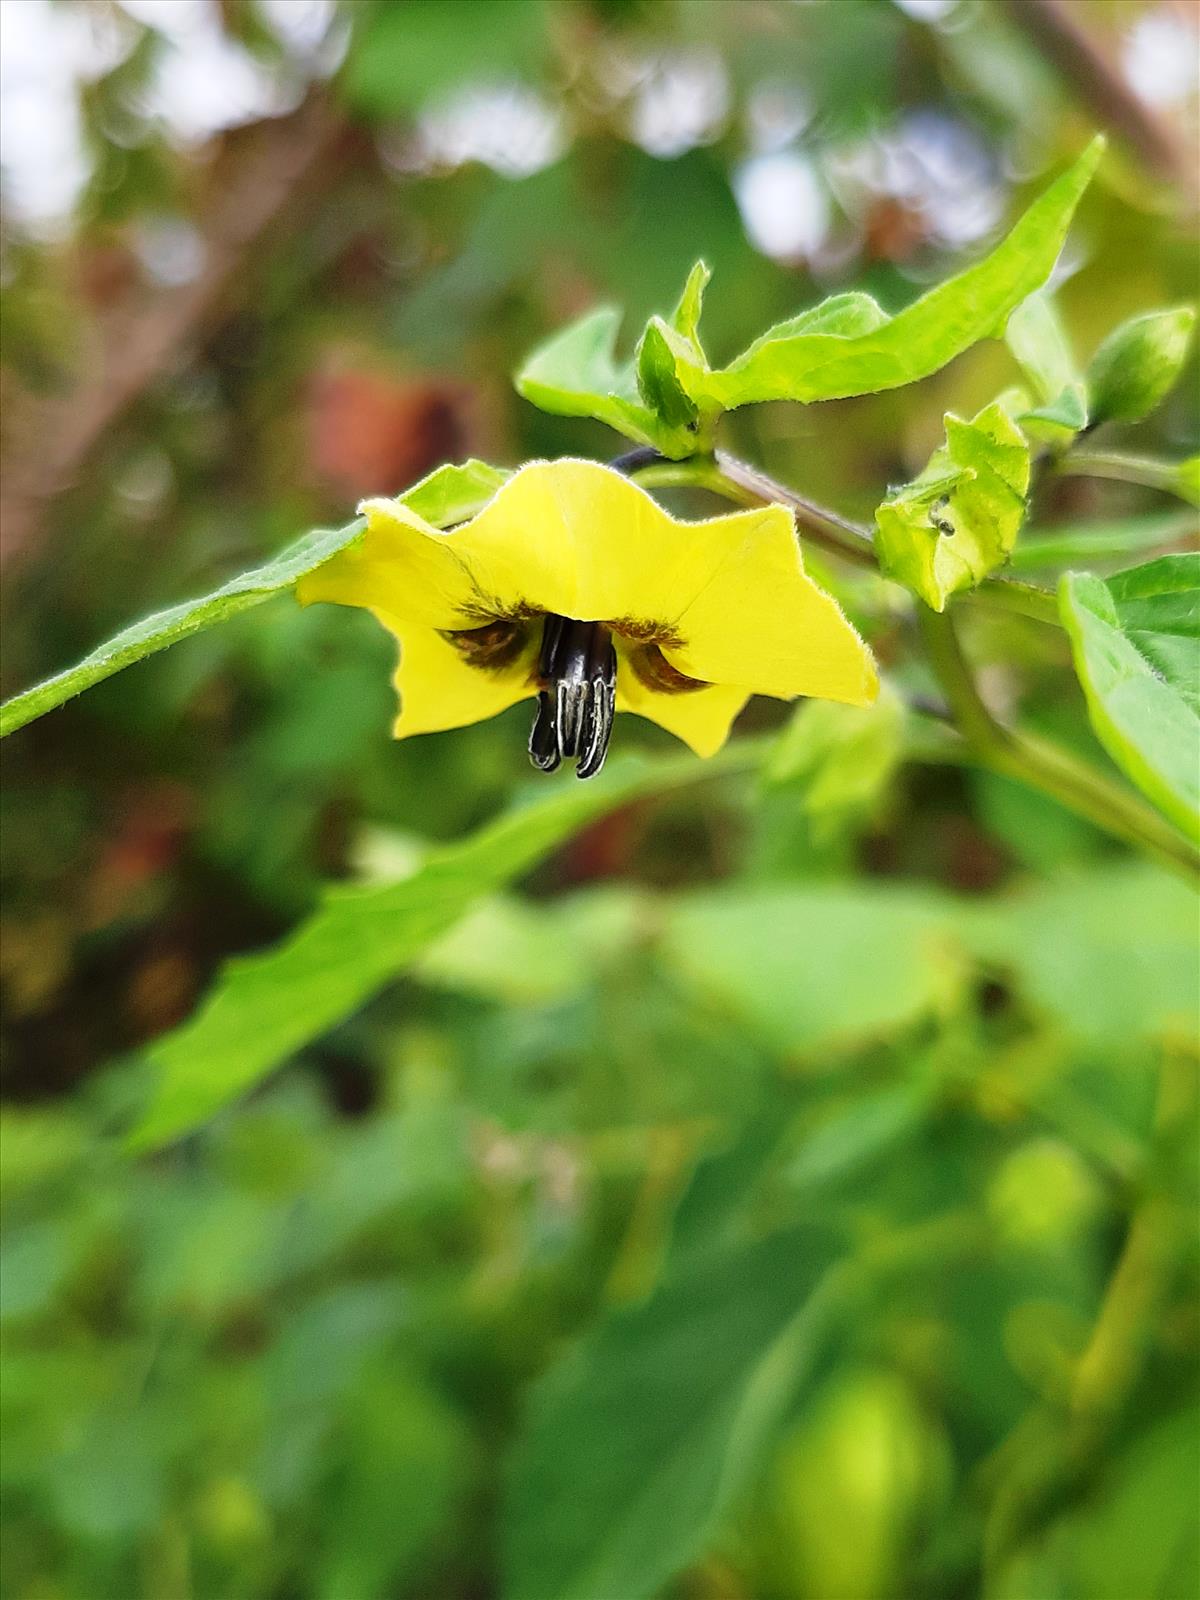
(1137, 364)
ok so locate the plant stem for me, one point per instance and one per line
(1044, 766)
(1025, 599)
(1149, 471)
(1023, 756)
(694, 473)
(853, 540)
(739, 481)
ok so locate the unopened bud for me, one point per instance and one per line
(1137, 364)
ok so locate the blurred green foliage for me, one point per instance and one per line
(787, 1190)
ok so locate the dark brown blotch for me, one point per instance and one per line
(495, 645)
(641, 630)
(656, 672)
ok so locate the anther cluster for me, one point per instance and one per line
(577, 677)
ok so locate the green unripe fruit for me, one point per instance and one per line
(1137, 364)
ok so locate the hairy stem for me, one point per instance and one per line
(1042, 765)
(846, 538)
(739, 481)
(1149, 471)
(1029, 759)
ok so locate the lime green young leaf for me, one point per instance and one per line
(264, 1007)
(657, 382)
(451, 493)
(638, 1442)
(1058, 422)
(664, 343)
(685, 318)
(959, 520)
(1039, 341)
(575, 374)
(800, 360)
(448, 495)
(1135, 637)
(1036, 336)
(1137, 365)
(843, 316)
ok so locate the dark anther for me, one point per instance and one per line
(577, 676)
(543, 741)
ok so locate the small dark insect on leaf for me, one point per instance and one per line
(938, 520)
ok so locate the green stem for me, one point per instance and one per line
(851, 540)
(737, 480)
(1023, 756)
(1025, 599)
(695, 473)
(1149, 471)
(1044, 766)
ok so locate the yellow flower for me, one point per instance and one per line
(574, 585)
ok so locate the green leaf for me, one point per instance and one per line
(845, 346)
(178, 622)
(575, 374)
(685, 318)
(803, 360)
(447, 495)
(959, 520)
(1137, 365)
(1148, 1484)
(1109, 954)
(843, 756)
(452, 493)
(860, 1132)
(1060, 420)
(1037, 338)
(1134, 639)
(400, 1459)
(815, 970)
(663, 343)
(656, 380)
(636, 1445)
(842, 316)
(1038, 550)
(264, 1007)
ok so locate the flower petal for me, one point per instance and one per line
(700, 717)
(580, 539)
(727, 600)
(572, 537)
(759, 621)
(401, 565)
(438, 689)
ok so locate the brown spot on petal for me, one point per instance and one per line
(656, 672)
(495, 645)
(643, 631)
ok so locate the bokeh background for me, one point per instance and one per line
(263, 257)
